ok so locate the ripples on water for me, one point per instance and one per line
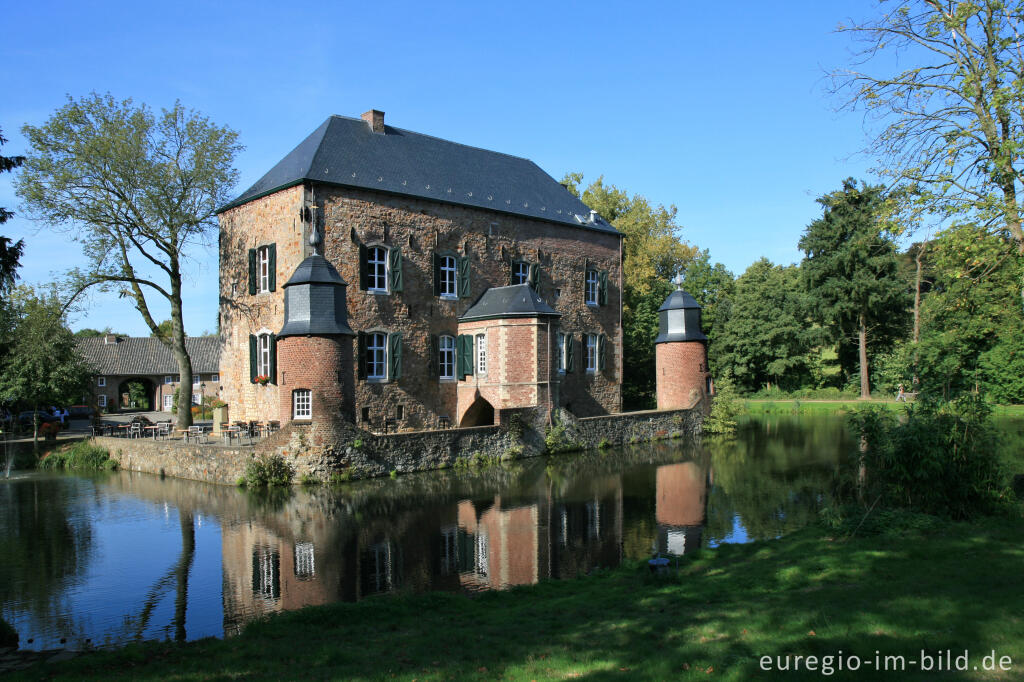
(124, 556)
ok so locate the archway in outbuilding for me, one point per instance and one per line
(135, 393)
(480, 413)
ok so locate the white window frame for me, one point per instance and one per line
(101, 400)
(377, 356)
(168, 402)
(481, 354)
(305, 560)
(448, 271)
(560, 352)
(520, 272)
(590, 297)
(101, 381)
(263, 354)
(591, 350)
(214, 377)
(446, 357)
(197, 398)
(377, 269)
(168, 379)
(197, 379)
(262, 269)
(302, 403)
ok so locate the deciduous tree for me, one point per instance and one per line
(137, 190)
(944, 80)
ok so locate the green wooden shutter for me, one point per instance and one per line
(252, 358)
(463, 356)
(395, 279)
(361, 355)
(362, 267)
(600, 352)
(252, 271)
(534, 275)
(395, 356)
(434, 361)
(272, 266)
(273, 359)
(570, 353)
(602, 287)
(436, 259)
(465, 288)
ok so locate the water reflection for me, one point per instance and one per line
(185, 560)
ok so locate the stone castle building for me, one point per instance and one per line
(448, 284)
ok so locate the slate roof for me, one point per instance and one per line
(679, 299)
(147, 355)
(345, 151)
(518, 300)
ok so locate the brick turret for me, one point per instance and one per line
(314, 347)
(681, 354)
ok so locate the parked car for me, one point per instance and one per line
(25, 418)
(81, 412)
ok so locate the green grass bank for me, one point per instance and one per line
(902, 584)
(757, 406)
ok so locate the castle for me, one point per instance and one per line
(444, 285)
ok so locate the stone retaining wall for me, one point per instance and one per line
(321, 452)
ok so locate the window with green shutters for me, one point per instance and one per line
(263, 269)
(601, 352)
(395, 356)
(570, 353)
(464, 356)
(524, 272)
(263, 358)
(380, 269)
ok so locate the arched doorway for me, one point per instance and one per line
(480, 413)
(136, 394)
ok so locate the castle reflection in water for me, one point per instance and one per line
(300, 556)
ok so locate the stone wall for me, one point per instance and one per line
(320, 451)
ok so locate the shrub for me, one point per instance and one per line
(724, 407)
(338, 478)
(942, 460)
(268, 470)
(80, 455)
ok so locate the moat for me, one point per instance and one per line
(103, 560)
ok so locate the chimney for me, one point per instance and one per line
(109, 339)
(375, 119)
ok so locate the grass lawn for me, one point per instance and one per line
(930, 585)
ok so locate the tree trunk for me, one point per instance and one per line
(181, 356)
(862, 340)
(35, 429)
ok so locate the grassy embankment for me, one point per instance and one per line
(756, 406)
(916, 583)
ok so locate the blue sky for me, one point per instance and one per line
(719, 109)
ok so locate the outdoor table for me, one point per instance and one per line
(154, 428)
(126, 428)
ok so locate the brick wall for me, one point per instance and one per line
(419, 227)
(315, 363)
(681, 373)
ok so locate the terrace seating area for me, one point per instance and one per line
(241, 433)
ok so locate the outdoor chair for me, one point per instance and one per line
(164, 430)
(197, 433)
(135, 431)
(273, 427)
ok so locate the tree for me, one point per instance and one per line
(10, 253)
(92, 333)
(953, 118)
(767, 336)
(43, 365)
(971, 320)
(137, 190)
(712, 286)
(164, 330)
(852, 273)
